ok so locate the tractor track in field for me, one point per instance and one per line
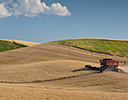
(49, 80)
(54, 79)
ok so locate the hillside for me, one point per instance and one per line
(51, 52)
(6, 45)
(107, 46)
(53, 71)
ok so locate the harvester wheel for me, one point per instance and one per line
(116, 70)
(102, 69)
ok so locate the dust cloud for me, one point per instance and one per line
(124, 68)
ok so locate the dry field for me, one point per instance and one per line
(24, 43)
(56, 72)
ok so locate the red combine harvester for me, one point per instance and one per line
(106, 65)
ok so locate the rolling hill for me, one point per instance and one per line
(55, 71)
(107, 46)
(6, 45)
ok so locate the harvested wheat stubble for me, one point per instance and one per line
(56, 72)
(21, 92)
(49, 52)
(40, 71)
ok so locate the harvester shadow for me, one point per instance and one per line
(83, 69)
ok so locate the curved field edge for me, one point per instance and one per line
(106, 46)
(6, 45)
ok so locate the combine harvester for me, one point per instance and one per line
(107, 65)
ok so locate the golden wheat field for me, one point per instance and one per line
(24, 43)
(52, 71)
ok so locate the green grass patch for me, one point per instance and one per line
(5, 46)
(112, 47)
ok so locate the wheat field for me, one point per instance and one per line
(52, 71)
(24, 43)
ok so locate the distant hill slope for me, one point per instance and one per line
(50, 52)
(107, 46)
(6, 45)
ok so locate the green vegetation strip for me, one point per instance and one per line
(5, 46)
(112, 47)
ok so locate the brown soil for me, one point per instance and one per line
(56, 72)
